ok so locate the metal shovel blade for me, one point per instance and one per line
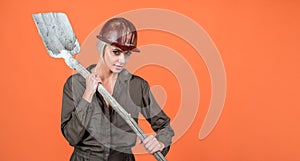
(56, 33)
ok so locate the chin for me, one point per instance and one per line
(116, 70)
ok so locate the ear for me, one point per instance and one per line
(101, 46)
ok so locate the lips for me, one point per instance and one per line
(119, 67)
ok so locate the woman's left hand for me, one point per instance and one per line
(152, 145)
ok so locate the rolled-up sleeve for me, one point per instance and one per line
(75, 113)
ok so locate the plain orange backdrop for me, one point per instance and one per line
(259, 45)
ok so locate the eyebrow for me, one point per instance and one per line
(118, 49)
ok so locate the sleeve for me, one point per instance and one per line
(75, 113)
(159, 121)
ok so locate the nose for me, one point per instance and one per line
(122, 58)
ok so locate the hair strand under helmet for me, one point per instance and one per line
(121, 33)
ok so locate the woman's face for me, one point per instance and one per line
(115, 58)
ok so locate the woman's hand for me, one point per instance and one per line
(152, 145)
(92, 81)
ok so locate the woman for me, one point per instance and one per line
(88, 122)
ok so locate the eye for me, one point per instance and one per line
(127, 53)
(116, 52)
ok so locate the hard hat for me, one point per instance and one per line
(121, 33)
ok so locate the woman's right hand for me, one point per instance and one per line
(92, 81)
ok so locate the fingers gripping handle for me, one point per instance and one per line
(74, 64)
(158, 155)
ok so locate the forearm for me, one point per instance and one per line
(164, 137)
(88, 95)
(74, 127)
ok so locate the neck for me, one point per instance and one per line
(104, 72)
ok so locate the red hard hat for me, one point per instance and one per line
(121, 33)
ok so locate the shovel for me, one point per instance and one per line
(60, 41)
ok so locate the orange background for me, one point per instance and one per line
(258, 42)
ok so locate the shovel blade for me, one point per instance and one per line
(57, 33)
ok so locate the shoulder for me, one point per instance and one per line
(133, 79)
(138, 81)
(138, 85)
